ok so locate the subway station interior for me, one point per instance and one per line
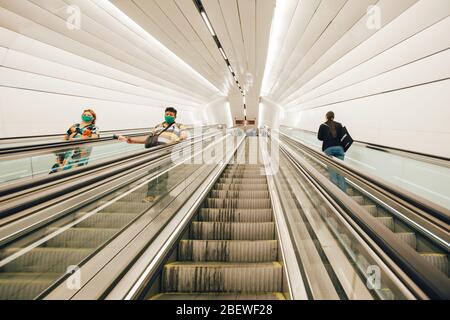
(224, 149)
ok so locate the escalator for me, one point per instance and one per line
(230, 250)
(71, 241)
(229, 230)
(434, 253)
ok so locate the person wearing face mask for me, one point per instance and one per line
(86, 129)
(167, 132)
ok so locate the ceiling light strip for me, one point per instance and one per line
(201, 10)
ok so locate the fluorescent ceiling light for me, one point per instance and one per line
(223, 54)
(208, 24)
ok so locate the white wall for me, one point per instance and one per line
(393, 89)
(218, 112)
(49, 73)
(269, 114)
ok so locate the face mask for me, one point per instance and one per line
(86, 118)
(169, 119)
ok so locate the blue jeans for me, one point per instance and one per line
(336, 178)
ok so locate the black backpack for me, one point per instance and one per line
(346, 139)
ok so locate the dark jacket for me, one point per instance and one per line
(325, 136)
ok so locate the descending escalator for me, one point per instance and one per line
(231, 251)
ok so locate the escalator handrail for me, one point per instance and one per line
(433, 209)
(433, 282)
(419, 156)
(23, 185)
(56, 146)
(73, 184)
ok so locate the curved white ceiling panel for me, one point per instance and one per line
(109, 51)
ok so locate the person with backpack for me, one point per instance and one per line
(332, 134)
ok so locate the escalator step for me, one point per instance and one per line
(45, 260)
(107, 220)
(240, 194)
(360, 200)
(235, 215)
(352, 192)
(229, 186)
(372, 209)
(244, 175)
(438, 260)
(222, 277)
(232, 231)
(257, 180)
(24, 286)
(219, 296)
(228, 251)
(81, 238)
(409, 238)
(238, 203)
(387, 221)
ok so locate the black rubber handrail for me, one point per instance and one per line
(433, 282)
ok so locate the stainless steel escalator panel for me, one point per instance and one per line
(69, 241)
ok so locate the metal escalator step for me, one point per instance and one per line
(352, 192)
(360, 200)
(81, 238)
(243, 175)
(45, 260)
(219, 296)
(387, 221)
(232, 231)
(240, 194)
(438, 260)
(222, 277)
(24, 286)
(238, 203)
(229, 186)
(409, 238)
(228, 250)
(123, 206)
(372, 209)
(107, 220)
(254, 170)
(235, 215)
(252, 180)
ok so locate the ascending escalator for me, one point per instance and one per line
(433, 254)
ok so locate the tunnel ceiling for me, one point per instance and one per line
(243, 28)
(278, 49)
